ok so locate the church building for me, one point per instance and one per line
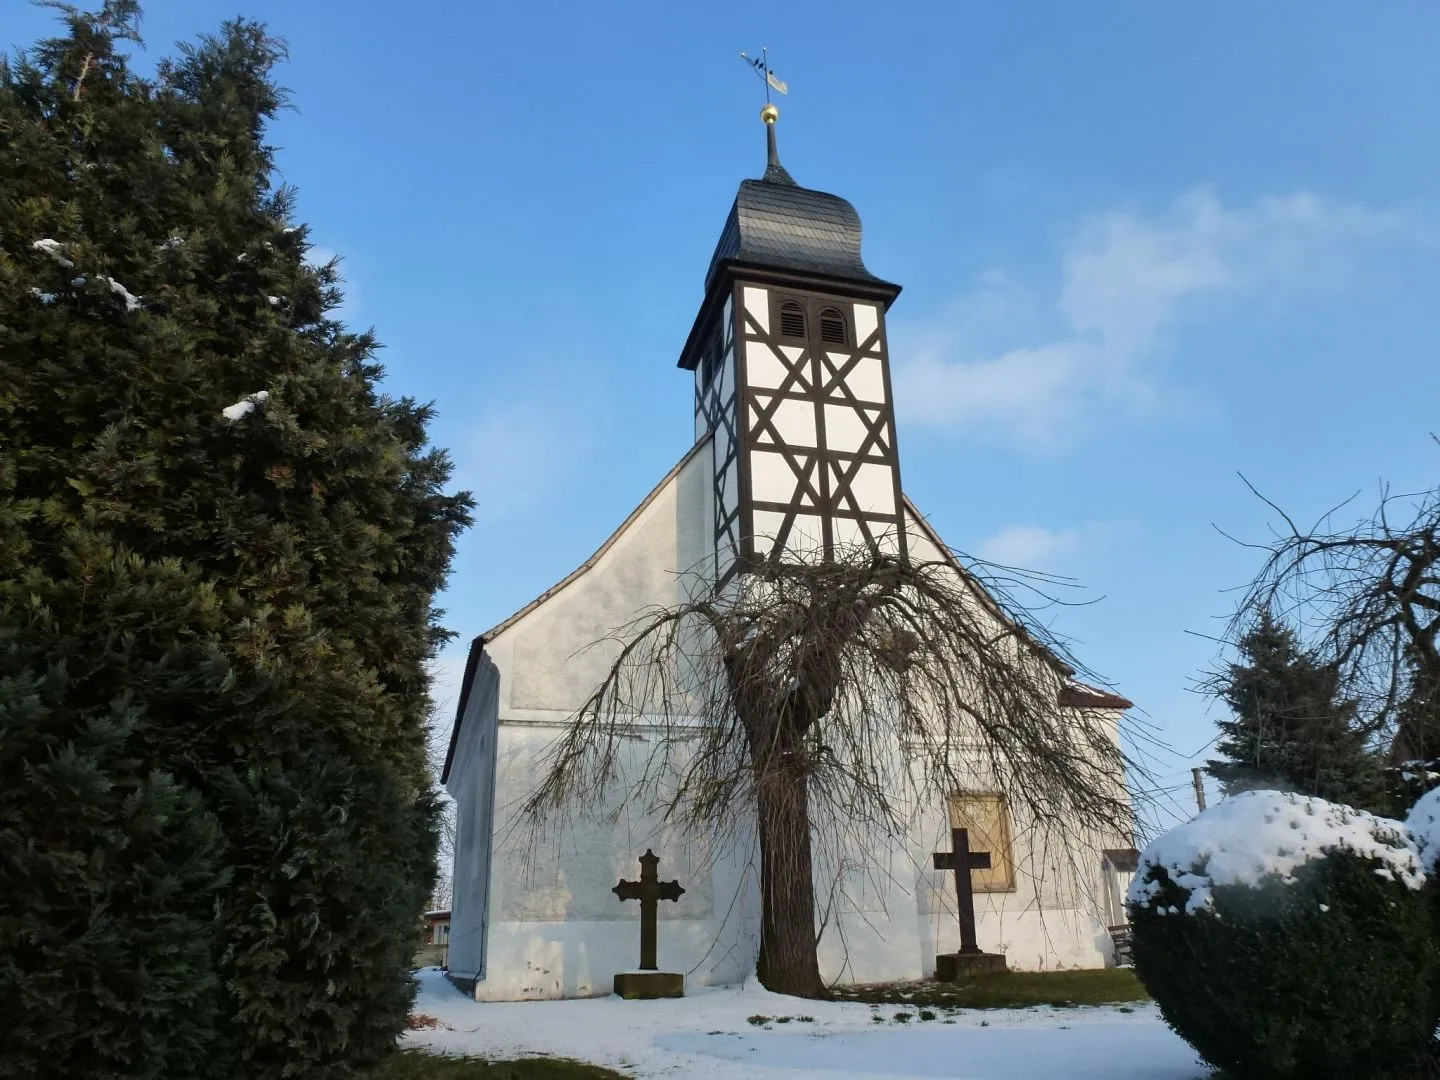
(794, 457)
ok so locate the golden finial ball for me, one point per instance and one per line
(769, 113)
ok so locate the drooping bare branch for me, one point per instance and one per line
(876, 677)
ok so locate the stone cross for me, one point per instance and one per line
(649, 890)
(962, 860)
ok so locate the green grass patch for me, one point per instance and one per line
(1010, 990)
(418, 1065)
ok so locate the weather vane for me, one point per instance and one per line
(761, 64)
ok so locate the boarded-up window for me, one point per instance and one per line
(988, 819)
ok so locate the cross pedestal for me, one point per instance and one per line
(950, 967)
(649, 982)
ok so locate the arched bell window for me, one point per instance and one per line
(792, 319)
(833, 328)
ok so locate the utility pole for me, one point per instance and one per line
(1199, 789)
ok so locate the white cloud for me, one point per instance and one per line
(1034, 547)
(1125, 283)
(1028, 546)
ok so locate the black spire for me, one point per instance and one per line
(774, 172)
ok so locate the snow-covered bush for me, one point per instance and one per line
(1424, 826)
(1284, 936)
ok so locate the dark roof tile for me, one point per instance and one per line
(776, 223)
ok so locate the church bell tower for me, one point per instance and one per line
(792, 380)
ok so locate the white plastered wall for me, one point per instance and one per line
(556, 929)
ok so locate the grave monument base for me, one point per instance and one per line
(633, 985)
(952, 967)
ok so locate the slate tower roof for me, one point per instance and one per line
(780, 233)
(777, 224)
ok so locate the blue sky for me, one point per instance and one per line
(1144, 248)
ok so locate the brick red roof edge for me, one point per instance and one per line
(1092, 697)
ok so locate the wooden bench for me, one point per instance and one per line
(1120, 937)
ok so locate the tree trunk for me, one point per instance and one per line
(787, 963)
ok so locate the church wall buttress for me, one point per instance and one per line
(472, 786)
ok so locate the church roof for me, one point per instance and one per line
(780, 231)
(1084, 696)
(777, 224)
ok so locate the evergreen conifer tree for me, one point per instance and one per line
(219, 545)
(1417, 728)
(1413, 760)
(1288, 729)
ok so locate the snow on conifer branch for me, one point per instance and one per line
(245, 406)
(55, 250)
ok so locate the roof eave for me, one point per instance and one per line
(472, 662)
(728, 270)
(1093, 697)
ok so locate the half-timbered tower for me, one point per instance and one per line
(792, 379)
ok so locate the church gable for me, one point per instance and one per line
(554, 652)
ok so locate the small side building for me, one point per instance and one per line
(434, 950)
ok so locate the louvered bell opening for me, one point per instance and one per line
(792, 320)
(832, 328)
(710, 363)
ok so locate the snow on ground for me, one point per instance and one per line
(707, 1034)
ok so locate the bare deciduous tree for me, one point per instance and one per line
(435, 750)
(1367, 599)
(828, 691)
